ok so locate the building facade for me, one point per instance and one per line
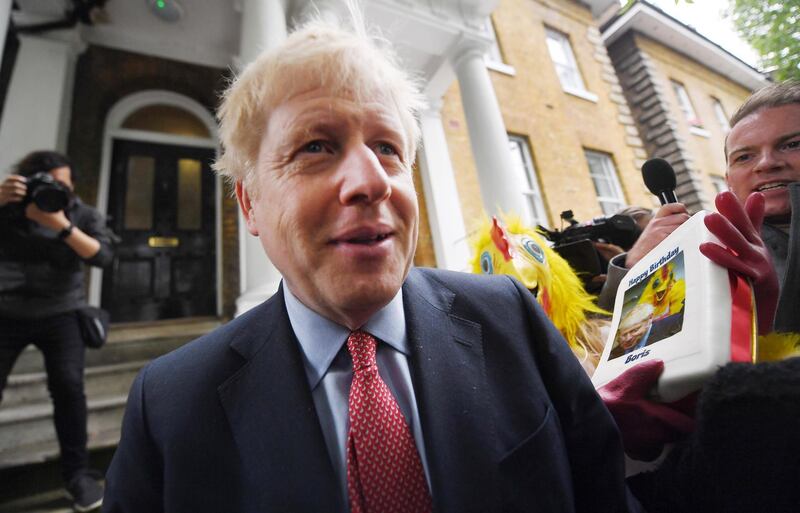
(533, 109)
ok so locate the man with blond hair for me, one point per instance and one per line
(362, 385)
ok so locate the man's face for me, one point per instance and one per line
(763, 153)
(631, 336)
(334, 204)
(63, 174)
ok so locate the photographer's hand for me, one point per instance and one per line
(12, 190)
(55, 221)
(667, 219)
(81, 243)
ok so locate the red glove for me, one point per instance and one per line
(743, 251)
(646, 425)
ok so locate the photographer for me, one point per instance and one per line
(46, 236)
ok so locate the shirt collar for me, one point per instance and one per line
(321, 339)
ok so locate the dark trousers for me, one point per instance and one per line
(59, 339)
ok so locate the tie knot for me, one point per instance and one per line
(361, 346)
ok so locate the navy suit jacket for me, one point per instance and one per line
(510, 420)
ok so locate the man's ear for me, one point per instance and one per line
(246, 206)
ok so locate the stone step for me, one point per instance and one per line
(27, 434)
(38, 487)
(108, 380)
(52, 501)
(129, 342)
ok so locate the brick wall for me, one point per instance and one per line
(558, 125)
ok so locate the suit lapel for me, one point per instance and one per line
(449, 378)
(271, 413)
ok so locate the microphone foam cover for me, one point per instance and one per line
(658, 176)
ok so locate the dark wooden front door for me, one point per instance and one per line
(161, 203)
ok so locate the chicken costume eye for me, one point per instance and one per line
(533, 249)
(486, 263)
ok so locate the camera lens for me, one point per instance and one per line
(50, 199)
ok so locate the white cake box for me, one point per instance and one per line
(676, 305)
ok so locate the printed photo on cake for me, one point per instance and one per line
(652, 309)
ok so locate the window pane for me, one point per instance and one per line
(564, 60)
(722, 119)
(603, 186)
(167, 119)
(139, 193)
(189, 194)
(527, 181)
(685, 103)
(606, 183)
(494, 54)
(610, 207)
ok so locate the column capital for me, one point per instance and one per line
(468, 48)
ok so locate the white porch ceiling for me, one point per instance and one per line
(424, 32)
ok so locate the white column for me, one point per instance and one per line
(263, 27)
(441, 195)
(5, 13)
(37, 107)
(487, 133)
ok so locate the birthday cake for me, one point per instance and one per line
(678, 306)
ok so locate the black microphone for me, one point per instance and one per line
(659, 177)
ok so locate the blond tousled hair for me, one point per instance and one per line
(318, 54)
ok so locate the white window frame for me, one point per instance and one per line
(494, 58)
(607, 171)
(722, 118)
(569, 74)
(685, 104)
(534, 201)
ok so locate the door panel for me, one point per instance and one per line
(161, 203)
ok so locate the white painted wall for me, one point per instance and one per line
(37, 107)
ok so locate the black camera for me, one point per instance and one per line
(620, 230)
(46, 192)
(574, 243)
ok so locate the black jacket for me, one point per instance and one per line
(744, 456)
(510, 420)
(40, 275)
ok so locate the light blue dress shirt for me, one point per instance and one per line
(329, 369)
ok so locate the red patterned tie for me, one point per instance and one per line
(384, 472)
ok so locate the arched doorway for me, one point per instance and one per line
(161, 198)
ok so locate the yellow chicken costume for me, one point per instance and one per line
(513, 249)
(664, 292)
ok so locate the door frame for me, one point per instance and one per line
(113, 130)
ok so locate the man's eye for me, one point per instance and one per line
(386, 149)
(314, 147)
(792, 145)
(741, 157)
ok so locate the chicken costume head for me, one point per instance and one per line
(664, 291)
(513, 249)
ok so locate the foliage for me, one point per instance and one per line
(771, 27)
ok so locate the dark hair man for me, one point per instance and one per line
(473, 401)
(42, 257)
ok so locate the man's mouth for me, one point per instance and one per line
(367, 240)
(770, 186)
(363, 236)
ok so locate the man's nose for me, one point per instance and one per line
(364, 179)
(767, 160)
